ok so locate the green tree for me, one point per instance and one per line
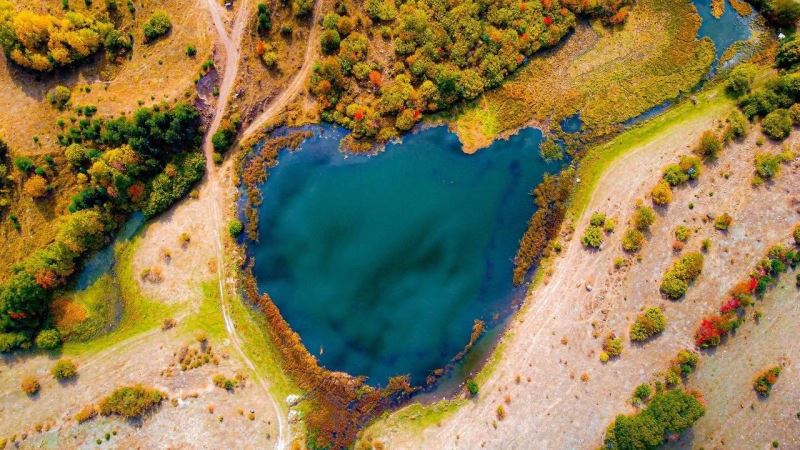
(329, 41)
(777, 124)
(157, 25)
(741, 79)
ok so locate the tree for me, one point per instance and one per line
(782, 12)
(263, 22)
(329, 41)
(632, 240)
(235, 227)
(158, 25)
(302, 8)
(788, 56)
(59, 97)
(777, 124)
(741, 79)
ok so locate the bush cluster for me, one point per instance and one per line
(612, 345)
(669, 412)
(648, 324)
(682, 272)
(765, 380)
(131, 401)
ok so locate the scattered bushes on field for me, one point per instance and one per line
(711, 329)
(648, 324)
(765, 380)
(64, 369)
(668, 412)
(131, 402)
(683, 272)
(156, 26)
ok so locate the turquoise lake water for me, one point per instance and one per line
(726, 30)
(382, 263)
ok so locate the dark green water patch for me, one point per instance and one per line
(382, 263)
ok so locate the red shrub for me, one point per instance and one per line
(731, 305)
(548, 21)
(710, 331)
(376, 78)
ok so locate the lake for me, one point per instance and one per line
(382, 263)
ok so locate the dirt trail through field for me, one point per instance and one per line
(549, 390)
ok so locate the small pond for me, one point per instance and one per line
(382, 263)
(726, 30)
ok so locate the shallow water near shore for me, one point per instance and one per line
(382, 263)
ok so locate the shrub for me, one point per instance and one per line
(59, 97)
(598, 219)
(235, 227)
(223, 138)
(788, 55)
(682, 272)
(794, 112)
(796, 234)
(30, 385)
(669, 412)
(686, 361)
(36, 186)
(661, 193)
(709, 145)
(472, 387)
(610, 225)
(86, 413)
(131, 401)
(24, 164)
(767, 166)
(191, 51)
(777, 124)
(223, 382)
(593, 237)
(737, 125)
(632, 240)
(741, 79)
(723, 222)
(48, 339)
(648, 324)
(765, 380)
(642, 392)
(612, 345)
(156, 26)
(682, 233)
(643, 218)
(64, 369)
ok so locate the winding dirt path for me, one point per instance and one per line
(297, 83)
(232, 46)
